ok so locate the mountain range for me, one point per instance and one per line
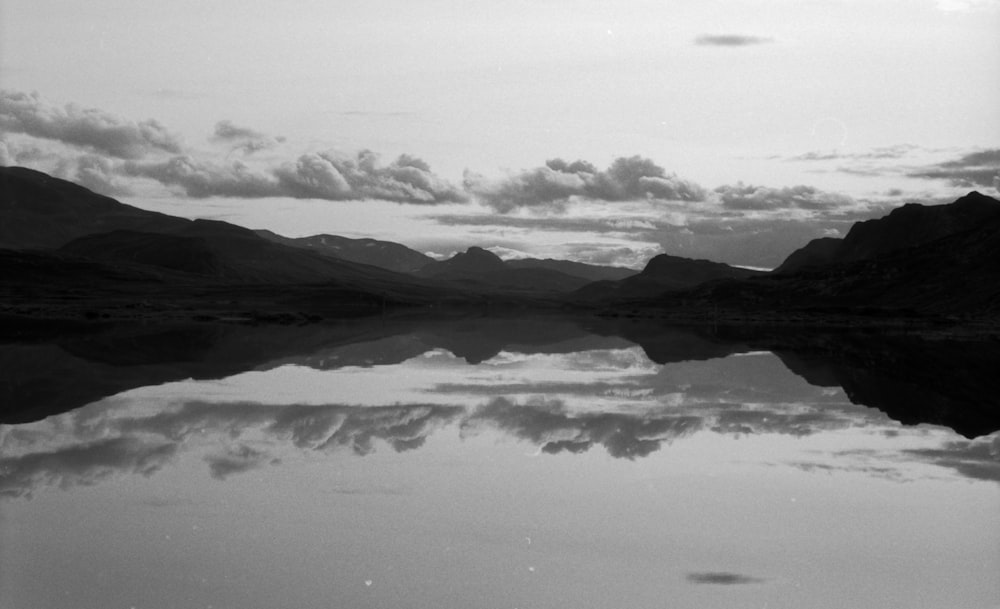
(67, 251)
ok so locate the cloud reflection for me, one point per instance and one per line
(82, 464)
(555, 428)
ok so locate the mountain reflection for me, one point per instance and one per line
(561, 386)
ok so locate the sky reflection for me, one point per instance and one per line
(615, 399)
(534, 478)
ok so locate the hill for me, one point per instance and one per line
(956, 274)
(383, 254)
(905, 227)
(663, 273)
(43, 212)
(477, 268)
(590, 272)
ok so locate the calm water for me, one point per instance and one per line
(480, 464)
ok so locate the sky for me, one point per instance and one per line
(582, 129)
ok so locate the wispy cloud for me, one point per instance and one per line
(882, 152)
(971, 170)
(748, 197)
(723, 578)
(730, 40)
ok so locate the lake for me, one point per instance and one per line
(498, 463)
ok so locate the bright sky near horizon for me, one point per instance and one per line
(592, 130)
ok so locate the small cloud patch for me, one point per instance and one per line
(723, 578)
(730, 40)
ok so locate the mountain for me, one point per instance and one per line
(477, 268)
(905, 227)
(383, 254)
(224, 252)
(957, 274)
(663, 273)
(465, 264)
(43, 212)
(590, 272)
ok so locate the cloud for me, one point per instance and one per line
(100, 175)
(307, 427)
(883, 152)
(979, 460)
(553, 185)
(730, 40)
(87, 128)
(312, 176)
(244, 139)
(199, 179)
(975, 169)
(237, 461)
(723, 578)
(746, 197)
(549, 424)
(81, 465)
(408, 179)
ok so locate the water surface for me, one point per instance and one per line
(485, 464)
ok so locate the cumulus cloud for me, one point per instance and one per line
(553, 185)
(199, 179)
(730, 40)
(972, 170)
(746, 197)
(244, 139)
(327, 175)
(311, 176)
(87, 128)
(100, 175)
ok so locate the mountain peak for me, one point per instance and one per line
(475, 258)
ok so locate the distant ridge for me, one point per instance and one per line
(663, 273)
(384, 254)
(480, 267)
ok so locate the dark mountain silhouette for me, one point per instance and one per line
(663, 273)
(476, 268)
(905, 227)
(39, 211)
(224, 252)
(590, 272)
(402, 259)
(92, 255)
(958, 274)
(384, 254)
(466, 264)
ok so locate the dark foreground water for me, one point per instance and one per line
(493, 464)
